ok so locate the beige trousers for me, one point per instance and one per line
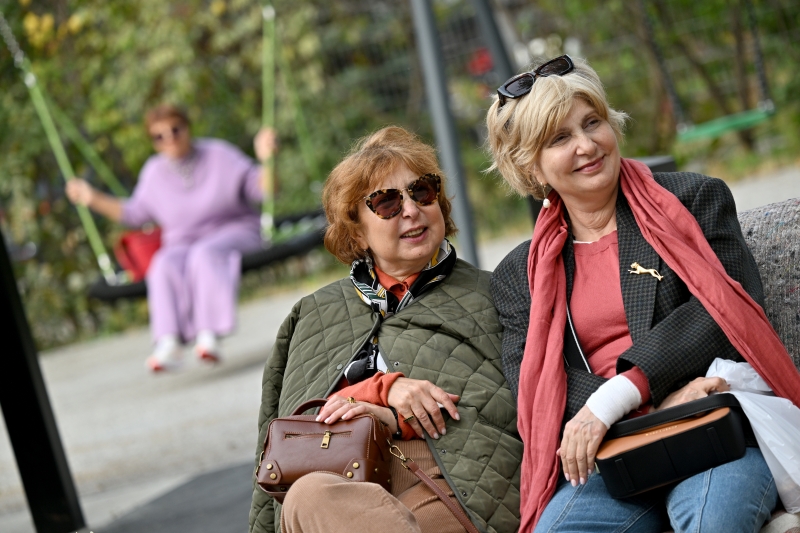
(330, 503)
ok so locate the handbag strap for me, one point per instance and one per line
(690, 409)
(310, 404)
(457, 511)
(573, 355)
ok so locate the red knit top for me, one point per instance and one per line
(598, 312)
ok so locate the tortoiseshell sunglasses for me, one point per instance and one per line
(387, 203)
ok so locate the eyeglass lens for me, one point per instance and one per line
(388, 203)
(557, 66)
(159, 137)
(521, 84)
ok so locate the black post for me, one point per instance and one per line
(430, 54)
(500, 62)
(52, 498)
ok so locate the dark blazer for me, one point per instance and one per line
(674, 338)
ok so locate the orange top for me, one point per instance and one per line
(395, 286)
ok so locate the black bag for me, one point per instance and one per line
(670, 445)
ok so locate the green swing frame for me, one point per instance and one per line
(722, 125)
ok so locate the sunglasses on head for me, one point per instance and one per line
(159, 138)
(521, 84)
(387, 203)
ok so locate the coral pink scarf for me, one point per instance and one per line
(678, 239)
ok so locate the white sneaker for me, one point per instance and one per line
(206, 346)
(166, 355)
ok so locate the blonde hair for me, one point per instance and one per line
(518, 130)
(368, 163)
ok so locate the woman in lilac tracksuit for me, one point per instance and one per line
(204, 195)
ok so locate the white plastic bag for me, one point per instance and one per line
(775, 422)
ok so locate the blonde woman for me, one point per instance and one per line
(657, 281)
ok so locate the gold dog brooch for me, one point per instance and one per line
(639, 269)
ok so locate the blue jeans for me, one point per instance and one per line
(737, 496)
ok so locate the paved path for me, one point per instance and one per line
(173, 452)
(768, 189)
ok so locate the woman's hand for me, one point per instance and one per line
(421, 399)
(80, 192)
(582, 437)
(265, 143)
(694, 390)
(339, 408)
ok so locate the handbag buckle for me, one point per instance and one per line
(326, 440)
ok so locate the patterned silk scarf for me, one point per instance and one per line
(383, 302)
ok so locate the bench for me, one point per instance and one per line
(772, 233)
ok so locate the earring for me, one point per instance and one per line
(545, 202)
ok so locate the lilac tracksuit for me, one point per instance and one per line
(208, 218)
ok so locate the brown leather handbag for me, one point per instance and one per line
(296, 445)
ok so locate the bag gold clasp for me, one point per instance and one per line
(260, 458)
(397, 452)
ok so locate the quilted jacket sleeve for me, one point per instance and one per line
(262, 511)
(683, 343)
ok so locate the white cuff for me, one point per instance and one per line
(614, 399)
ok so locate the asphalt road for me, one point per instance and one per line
(173, 452)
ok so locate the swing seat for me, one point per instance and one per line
(309, 235)
(720, 126)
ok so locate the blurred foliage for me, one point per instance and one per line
(351, 67)
(708, 51)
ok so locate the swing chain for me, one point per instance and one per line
(38, 100)
(11, 42)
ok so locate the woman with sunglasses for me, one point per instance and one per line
(411, 336)
(203, 194)
(656, 280)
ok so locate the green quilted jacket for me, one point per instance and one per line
(450, 336)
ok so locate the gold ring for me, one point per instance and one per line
(350, 399)
(409, 419)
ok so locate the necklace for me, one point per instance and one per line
(185, 169)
